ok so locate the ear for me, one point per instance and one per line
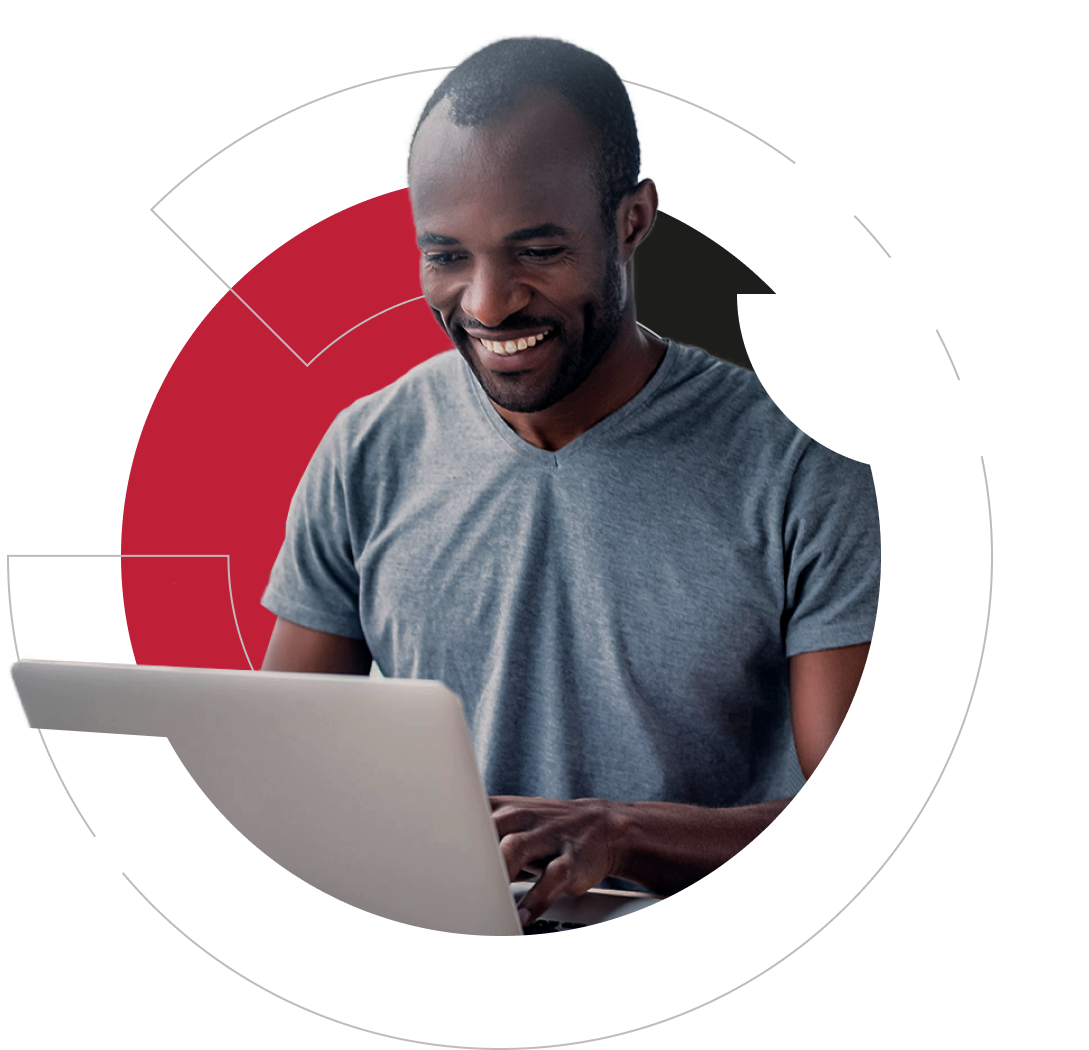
(635, 217)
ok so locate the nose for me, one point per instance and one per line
(493, 293)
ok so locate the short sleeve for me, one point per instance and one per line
(314, 581)
(832, 547)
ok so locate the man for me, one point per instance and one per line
(646, 585)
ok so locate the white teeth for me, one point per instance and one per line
(512, 346)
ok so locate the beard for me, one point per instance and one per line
(523, 392)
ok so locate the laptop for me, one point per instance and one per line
(366, 788)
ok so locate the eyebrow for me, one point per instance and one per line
(532, 233)
(435, 238)
(527, 233)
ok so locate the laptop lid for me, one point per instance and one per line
(365, 788)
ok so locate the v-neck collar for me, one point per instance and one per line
(587, 438)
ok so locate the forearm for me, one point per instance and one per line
(666, 846)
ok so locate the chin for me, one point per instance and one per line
(515, 393)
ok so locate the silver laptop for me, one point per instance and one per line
(365, 788)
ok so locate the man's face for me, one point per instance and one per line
(516, 263)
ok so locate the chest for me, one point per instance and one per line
(655, 575)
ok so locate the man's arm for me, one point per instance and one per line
(295, 648)
(666, 846)
(822, 686)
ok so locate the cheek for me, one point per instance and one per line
(435, 290)
(436, 295)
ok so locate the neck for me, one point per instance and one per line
(624, 369)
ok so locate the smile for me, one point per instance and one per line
(504, 348)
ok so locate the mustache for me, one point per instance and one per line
(515, 321)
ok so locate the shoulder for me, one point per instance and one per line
(727, 410)
(719, 384)
(391, 431)
(728, 407)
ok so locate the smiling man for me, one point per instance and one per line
(653, 593)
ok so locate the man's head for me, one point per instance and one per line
(523, 175)
(494, 82)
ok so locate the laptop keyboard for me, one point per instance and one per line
(551, 926)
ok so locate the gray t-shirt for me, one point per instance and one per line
(616, 616)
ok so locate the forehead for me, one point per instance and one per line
(535, 165)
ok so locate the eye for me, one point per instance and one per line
(442, 258)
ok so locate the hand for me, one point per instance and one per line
(572, 845)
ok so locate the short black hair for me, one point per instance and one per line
(492, 83)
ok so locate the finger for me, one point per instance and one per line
(557, 879)
(510, 819)
(502, 806)
(512, 813)
(498, 801)
(525, 850)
